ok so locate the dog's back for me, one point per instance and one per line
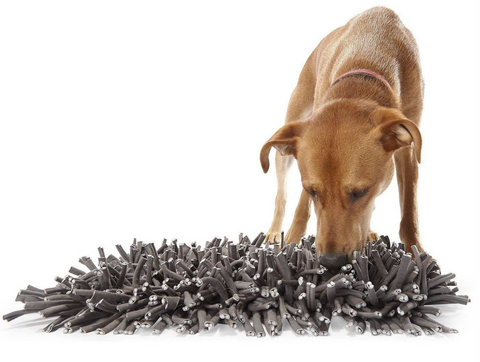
(375, 39)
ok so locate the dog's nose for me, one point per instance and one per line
(333, 261)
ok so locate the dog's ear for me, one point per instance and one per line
(285, 142)
(396, 131)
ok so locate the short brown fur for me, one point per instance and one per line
(348, 136)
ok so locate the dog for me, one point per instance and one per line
(352, 120)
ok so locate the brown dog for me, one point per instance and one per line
(353, 115)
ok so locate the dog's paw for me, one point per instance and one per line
(293, 237)
(372, 236)
(273, 237)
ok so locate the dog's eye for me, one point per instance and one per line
(357, 194)
(312, 192)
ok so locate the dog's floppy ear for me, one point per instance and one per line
(396, 131)
(285, 142)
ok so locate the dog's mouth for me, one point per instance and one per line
(334, 261)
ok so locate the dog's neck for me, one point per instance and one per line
(361, 85)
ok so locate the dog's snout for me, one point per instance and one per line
(333, 261)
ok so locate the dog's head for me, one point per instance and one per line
(344, 154)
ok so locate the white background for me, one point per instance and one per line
(145, 119)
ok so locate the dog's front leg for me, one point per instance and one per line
(407, 177)
(282, 166)
(300, 219)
